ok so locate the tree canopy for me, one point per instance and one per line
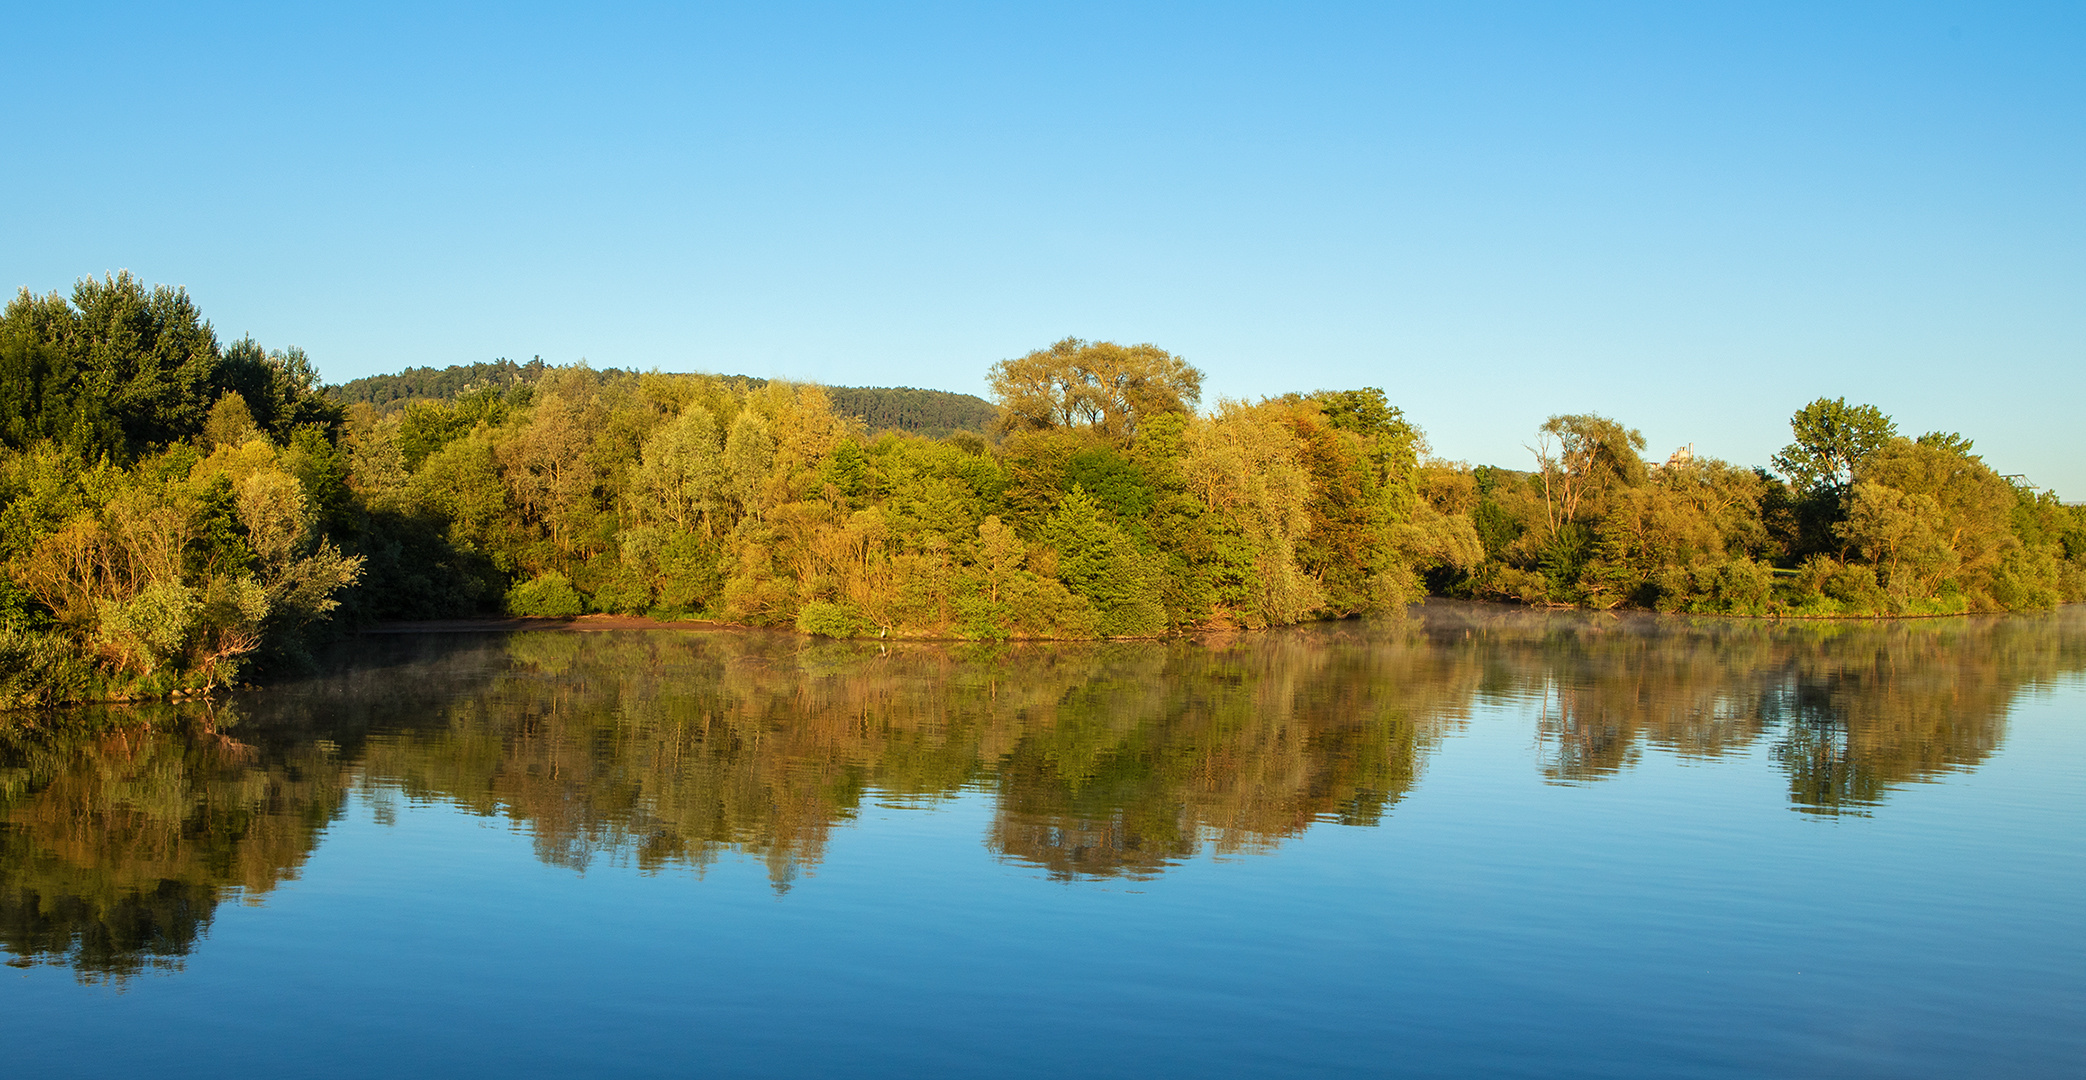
(1833, 438)
(1104, 386)
(120, 369)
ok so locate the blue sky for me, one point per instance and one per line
(1693, 218)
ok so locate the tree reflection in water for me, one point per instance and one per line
(665, 750)
(116, 846)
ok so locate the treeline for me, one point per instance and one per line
(388, 392)
(934, 413)
(1854, 519)
(175, 511)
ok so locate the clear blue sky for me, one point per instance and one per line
(1693, 218)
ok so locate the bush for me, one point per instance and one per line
(624, 593)
(1134, 618)
(1741, 585)
(40, 669)
(1855, 586)
(1806, 588)
(691, 576)
(19, 610)
(832, 620)
(151, 629)
(545, 596)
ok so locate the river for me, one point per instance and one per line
(1474, 841)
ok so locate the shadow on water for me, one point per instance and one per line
(665, 750)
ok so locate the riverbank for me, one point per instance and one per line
(571, 624)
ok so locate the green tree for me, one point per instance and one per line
(1832, 440)
(1108, 387)
(122, 369)
(681, 474)
(43, 396)
(1394, 444)
(1933, 520)
(1098, 561)
(1245, 466)
(1582, 457)
(230, 422)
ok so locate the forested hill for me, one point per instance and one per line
(933, 413)
(388, 392)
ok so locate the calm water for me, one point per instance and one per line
(1476, 842)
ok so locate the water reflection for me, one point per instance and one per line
(665, 750)
(1851, 709)
(669, 749)
(118, 846)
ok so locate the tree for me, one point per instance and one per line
(43, 397)
(1832, 441)
(1394, 443)
(1582, 456)
(1951, 441)
(1347, 542)
(281, 388)
(1098, 561)
(230, 422)
(1244, 465)
(148, 354)
(544, 462)
(122, 369)
(1108, 387)
(682, 471)
(1926, 514)
(749, 455)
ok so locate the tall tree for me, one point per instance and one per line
(1101, 385)
(1582, 456)
(1833, 438)
(147, 353)
(122, 369)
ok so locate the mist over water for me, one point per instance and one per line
(1456, 842)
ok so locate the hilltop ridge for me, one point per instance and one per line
(933, 413)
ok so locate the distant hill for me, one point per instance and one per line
(389, 392)
(933, 413)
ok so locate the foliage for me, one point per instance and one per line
(545, 595)
(1100, 563)
(1833, 439)
(827, 619)
(431, 384)
(1108, 387)
(175, 516)
(933, 413)
(120, 370)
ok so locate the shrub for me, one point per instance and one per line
(832, 620)
(150, 629)
(1854, 586)
(1741, 585)
(40, 669)
(624, 593)
(545, 595)
(1133, 618)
